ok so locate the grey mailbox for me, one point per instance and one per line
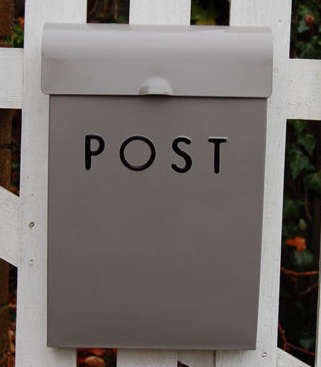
(156, 171)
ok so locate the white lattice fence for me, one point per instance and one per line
(296, 94)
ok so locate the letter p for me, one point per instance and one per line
(88, 148)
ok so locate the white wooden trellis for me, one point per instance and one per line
(296, 94)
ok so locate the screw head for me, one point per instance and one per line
(31, 224)
(264, 355)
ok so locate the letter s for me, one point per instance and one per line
(177, 150)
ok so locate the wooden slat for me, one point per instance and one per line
(146, 358)
(9, 219)
(168, 12)
(157, 358)
(31, 331)
(286, 360)
(197, 358)
(11, 77)
(304, 89)
(155, 12)
(276, 14)
(31, 347)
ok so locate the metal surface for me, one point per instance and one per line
(176, 60)
(132, 254)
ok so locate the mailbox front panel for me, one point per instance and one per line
(154, 241)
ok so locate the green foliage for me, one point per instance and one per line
(300, 153)
(308, 142)
(313, 182)
(108, 11)
(210, 12)
(302, 225)
(17, 37)
(307, 341)
(306, 29)
(302, 259)
(292, 208)
(302, 194)
(298, 161)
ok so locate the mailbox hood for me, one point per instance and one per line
(205, 61)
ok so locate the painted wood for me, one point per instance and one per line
(146, 358)
(173, 12)
(197, 358)
(304, 102)
(286, 360)
(9, 214)
(276, 14)
(157, 358)
(31, 318)
(304, 89)
(11, 77)
(169, 12)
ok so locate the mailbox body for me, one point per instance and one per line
(155, 257)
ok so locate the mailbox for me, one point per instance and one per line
(156, 175)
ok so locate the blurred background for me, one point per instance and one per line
(302, 183)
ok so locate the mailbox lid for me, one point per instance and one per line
(113, 59)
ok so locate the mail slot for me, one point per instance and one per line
(156, 175)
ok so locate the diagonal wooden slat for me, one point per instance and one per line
(197, 358)
(286, 360)
(11, 77)
(304, 89)
(9, 220)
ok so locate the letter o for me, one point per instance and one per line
(142, 166)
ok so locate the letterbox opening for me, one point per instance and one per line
(156, 175)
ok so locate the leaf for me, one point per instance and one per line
(313, 182)
(302, 27)
(308, 142)
(292, 208)
(298, 126)
(307, 342)
(288, 231)
(302, 259)
(203, 16)
(302, 225)
(299, 162)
